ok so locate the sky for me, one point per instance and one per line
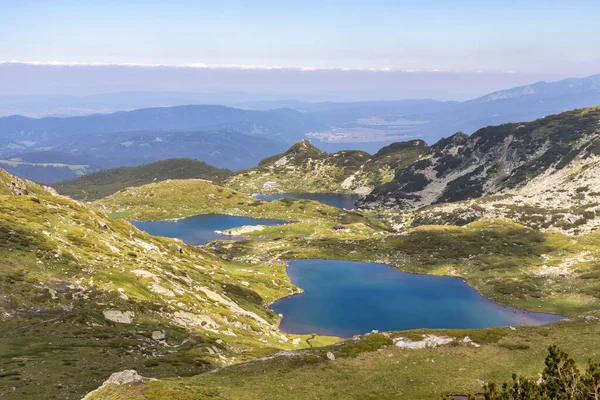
(484, 43)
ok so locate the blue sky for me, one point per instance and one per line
(533, 39)
(523, 36)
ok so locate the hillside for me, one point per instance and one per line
(48, 166)
(104, 183)
(14, 186)
(503, 260)
(223, 149)
(380, 370)
(83, 295)
(78, 280)
(551, 162)
(304, 168)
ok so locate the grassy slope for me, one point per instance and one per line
(65, 263)
(304, 168)
(507, 262)
(104, 183)
(389, 373)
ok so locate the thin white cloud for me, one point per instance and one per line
(238, 66)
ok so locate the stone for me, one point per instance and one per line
(159, 335)
(121, 317)
(428, 341)
(296, 341)
(330, 356)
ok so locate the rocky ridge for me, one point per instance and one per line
(305, 168)
(552, 162)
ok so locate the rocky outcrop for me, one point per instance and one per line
(509, 158)
(428, 341)
(304, 168)
(118, 378)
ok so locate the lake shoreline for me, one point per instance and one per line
(510, 314)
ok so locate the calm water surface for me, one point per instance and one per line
(201, 228)
(345, 298)
(346, 201)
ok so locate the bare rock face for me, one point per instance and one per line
(119, 378)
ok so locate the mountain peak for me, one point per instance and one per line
(303, 146)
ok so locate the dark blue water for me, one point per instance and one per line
(201, 228)
(346, 298)
(346, 201)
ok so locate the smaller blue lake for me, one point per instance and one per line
(201, 228)
(346, 201)
(346, 298)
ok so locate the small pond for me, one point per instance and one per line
(346, 201)
(201, 228)
(346, 298)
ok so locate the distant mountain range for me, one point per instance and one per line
(237, 138)
(222, 136)
(281, 124)
(369, 125)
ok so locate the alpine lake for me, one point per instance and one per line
(345, 298)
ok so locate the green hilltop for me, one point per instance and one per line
(304, 168)
(175, 199)
(100, 184)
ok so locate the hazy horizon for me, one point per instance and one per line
(316, 50)
(18, 79)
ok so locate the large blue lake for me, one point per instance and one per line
(201, 228)
(346, 201)
(345, 298)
